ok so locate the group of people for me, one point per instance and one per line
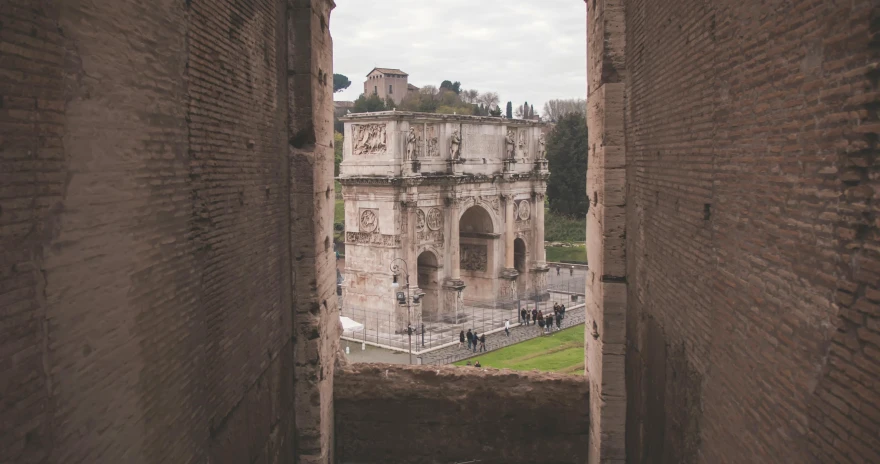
(477, 364)
(473, 340)
(544, 321)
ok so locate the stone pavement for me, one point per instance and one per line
(518, 333)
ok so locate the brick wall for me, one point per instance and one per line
(753, 233)
(421, 414)
(159, 282)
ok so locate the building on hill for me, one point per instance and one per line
(387, 83)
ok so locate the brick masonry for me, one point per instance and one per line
(165, 285)
(752, 229)
(441, 414)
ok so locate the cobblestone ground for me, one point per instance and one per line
(573, 316)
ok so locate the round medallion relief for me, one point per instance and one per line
(369, 221)
(435, 219)
(523, 210)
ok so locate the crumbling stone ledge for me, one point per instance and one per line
(443, 414)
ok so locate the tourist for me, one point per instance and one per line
(558, 320)
(524, 315)
(541, 324)
(557, 269)
(507, 327)
(571, 271)
(549, 323)
(535, 315)
(460, 338)
(468, 363)
(562, 311)
(470, 339)
(478, 364)
(483, 342)
(476, 340)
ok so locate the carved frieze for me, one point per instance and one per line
(368, 220)
(429, 236)
(491, 201)
(432, 142)
(474, 257)
(368, 139)
(366, 238)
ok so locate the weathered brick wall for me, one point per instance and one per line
(753, 233)
(158, 281)
(441, 414)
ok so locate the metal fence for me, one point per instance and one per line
(431, 332)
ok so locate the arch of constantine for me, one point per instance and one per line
(459, 199)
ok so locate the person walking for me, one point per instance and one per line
(470, 338)
(549, 323)
(557, 269)
(535, 315)
(483, 342)
(460, 338)
(541, 325)
(562, 311)
(524, 315)
(476, 340)
(571, 271)
(558, 320)
(507, 327)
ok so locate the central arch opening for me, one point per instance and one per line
(477, 240)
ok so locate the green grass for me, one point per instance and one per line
(339, 212)
(560, 228)
(560, 352)
(573, 254)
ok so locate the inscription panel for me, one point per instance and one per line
(478, 144)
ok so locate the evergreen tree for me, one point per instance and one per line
(532, 112)
(567, 155)
(373, 103)
(509, 110)
(525, 110)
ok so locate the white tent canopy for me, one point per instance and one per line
(349, 324)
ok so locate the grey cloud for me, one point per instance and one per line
(531, 50)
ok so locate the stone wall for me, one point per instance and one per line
(166, 281)
(752, 233)
(422, 414)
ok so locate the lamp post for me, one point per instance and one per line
(401, 298)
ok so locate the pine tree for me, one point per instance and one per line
(567, 156)
(532, 112)
(509, 110)
(525, 110)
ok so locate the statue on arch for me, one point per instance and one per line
(455, 145)
(411, 140)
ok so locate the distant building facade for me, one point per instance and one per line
(387, 83)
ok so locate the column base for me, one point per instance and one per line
(509, 274)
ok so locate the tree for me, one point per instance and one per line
(489, 99)
(340, 83)
(453, 86)
(567, 156)
(531, 111)
(470, 96)
(495, 112)
(509, 110)
(371, 104)
(556, 109)
(338, 141)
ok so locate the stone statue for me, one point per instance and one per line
(523, 149)
(511, 145)
(455, 145)
(411, 140)
(542, 150)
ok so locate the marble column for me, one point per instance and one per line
(454, 247)
(509, 236)
(540, 253)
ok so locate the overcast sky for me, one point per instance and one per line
(531, 50)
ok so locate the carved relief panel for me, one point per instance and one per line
(368, 220)
(429, 225)
(368, 139)
(432, 141)
(474, 257)
(522, 210)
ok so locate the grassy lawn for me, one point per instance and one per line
(561, 228)
(339, 221)
(561, 352)
(574, 254)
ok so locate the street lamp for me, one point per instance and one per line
(405, 298)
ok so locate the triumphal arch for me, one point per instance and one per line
(458, 199)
